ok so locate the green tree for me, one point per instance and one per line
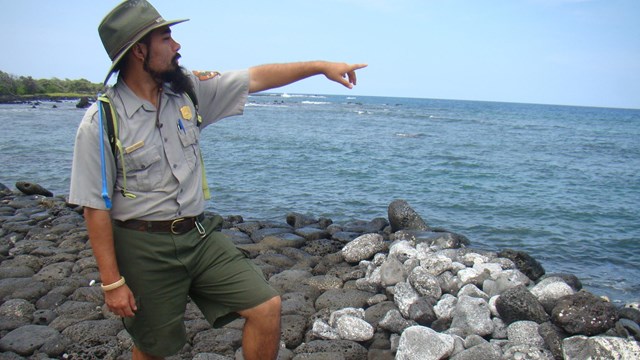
(83, 86)
(7, 84)
(27, 86)
(48, 86)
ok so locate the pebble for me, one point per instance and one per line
(379, 289)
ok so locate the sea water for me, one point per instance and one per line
(559, 182)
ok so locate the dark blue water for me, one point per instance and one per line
(561, 183)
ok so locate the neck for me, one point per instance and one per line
(143, 85)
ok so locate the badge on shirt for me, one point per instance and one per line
(186, 112)
(205, 75)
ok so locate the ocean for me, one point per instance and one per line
(559, 182)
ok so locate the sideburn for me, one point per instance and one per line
(178, 80)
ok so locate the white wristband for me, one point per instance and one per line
(113, 286)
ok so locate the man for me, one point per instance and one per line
(154, 249)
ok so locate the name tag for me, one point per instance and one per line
(134, 147)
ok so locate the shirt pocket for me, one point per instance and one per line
(143, 169)
(189, 141)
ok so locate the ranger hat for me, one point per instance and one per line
(125, 25)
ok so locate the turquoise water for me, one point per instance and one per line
(559, 182)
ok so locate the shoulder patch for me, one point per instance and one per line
(205, 75)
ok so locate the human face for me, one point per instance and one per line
(161, 60)
(162, 52)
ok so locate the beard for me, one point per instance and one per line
(177, 78)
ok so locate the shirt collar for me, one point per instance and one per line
(133, 103)
(167, 90)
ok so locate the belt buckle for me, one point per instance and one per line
(173, 224)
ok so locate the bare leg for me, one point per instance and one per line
(139, 355)
(261, 333)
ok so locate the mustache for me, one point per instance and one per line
(176, 57)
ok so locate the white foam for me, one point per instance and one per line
(315, 102)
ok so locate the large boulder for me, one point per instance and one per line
(423, 343)
(518, 303)
(550, 290)
(28, 188)
(584, 314)
(403, 217)
(298, 220)
(27, 339)
(599, 347)
(341, 298)
(553, 337)
(472, 316)
(83, 103)
(345, 349)
(363, 248)
(524, 262)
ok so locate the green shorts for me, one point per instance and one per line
(163, 271)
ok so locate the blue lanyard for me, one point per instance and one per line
(105, 192)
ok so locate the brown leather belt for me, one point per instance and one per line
(176, 226)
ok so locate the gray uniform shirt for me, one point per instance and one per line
(160, 148)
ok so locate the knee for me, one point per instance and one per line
(267, 309)
(272, 306)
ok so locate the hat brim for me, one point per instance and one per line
(137, 38)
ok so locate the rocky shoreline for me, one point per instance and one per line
(37, 99)
(381, 289)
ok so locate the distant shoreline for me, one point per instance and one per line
(26, 99)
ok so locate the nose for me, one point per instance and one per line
(176, 46)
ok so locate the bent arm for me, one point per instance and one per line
(265, 77)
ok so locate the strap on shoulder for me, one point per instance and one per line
(112, 135)
(110, 122)
(191, 94)
(205, 185)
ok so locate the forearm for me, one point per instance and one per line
(264, 77)
(101, 239)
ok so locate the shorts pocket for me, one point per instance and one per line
(160, 340)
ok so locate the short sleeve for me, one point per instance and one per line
(220, 95)
(86, 169)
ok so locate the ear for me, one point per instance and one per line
(139, 51)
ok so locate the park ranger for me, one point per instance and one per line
(153, 246)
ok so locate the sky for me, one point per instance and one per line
(565, 52)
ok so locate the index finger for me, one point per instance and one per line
(358, 66)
